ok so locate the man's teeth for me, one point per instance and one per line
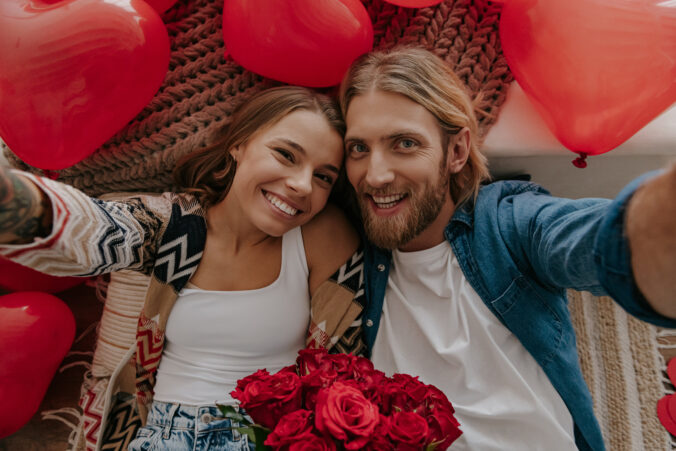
(279, 203)
(387, 201)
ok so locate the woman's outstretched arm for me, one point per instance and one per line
(57, 229)
(25, 211)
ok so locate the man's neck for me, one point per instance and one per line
(434, 233)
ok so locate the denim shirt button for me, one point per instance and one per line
(369, 323)
(381, 267)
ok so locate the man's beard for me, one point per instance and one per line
(395, 231)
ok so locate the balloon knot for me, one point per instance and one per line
(53, 175)
(580, 162)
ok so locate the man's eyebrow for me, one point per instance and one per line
(390, 137)
(402, 134)
(300, 149)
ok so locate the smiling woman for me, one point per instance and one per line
(235, 259)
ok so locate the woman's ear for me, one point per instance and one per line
(458, 151)
(236, 152)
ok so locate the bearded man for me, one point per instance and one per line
(465, 281)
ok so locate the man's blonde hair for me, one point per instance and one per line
(425, 79)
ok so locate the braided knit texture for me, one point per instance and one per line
(203, 86)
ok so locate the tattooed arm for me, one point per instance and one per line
(25, 211)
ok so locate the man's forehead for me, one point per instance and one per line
(386, 114)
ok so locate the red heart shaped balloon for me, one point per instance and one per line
(302, 42)
(414, 3)
(596, 70)
(161, 5)
(15, 277)
(74, 72)
(36, 331)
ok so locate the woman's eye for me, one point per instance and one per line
(285, 154)
(325, 178)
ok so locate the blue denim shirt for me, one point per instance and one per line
(520, 248)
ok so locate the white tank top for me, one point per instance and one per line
(214, 338)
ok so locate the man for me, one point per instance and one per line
(465, 285)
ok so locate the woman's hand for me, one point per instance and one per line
(25, 211)
(651, 231)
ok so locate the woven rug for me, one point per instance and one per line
(203, 86)
(623, 367)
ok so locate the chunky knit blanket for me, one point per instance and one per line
(203, 86)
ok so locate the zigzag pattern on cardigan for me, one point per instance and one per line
(123, 423)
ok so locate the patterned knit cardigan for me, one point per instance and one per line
(162, 236)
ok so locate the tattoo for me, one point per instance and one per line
(6, 187)
(22, 209)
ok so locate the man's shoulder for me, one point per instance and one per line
(509, 187)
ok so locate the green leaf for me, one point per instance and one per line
(261, 433)
(231, 413)
(432, 446)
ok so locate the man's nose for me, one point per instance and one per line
(379, 171)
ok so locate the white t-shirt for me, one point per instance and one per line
(434, 325)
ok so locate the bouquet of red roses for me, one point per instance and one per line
(339, 401)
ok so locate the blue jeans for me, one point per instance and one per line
(179, 427)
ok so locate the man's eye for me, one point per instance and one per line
(407, 143)
(357, 148)
(285, 154)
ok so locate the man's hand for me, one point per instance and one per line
(651, 230)
(25, 212)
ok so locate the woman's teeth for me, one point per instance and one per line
(279, 203)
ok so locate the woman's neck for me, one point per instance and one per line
(227, 223)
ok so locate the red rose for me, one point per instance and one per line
(314, 443)
(370, 380)
(435, 399)
(309, 360)
(443, 428)
(314, 382)
(268, 397)
(292, 427)
(402, 392)
(258, 375)
(408, 430)
(344, 413)
(380, 440)
(342, 363)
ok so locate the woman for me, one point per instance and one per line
(234, 260)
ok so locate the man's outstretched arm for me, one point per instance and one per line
(651, 232)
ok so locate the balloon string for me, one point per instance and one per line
(580, 162)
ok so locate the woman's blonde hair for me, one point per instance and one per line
(207, 173)
(425, 79)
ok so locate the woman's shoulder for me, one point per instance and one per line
(329, 238)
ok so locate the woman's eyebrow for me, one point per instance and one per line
(302, 151)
